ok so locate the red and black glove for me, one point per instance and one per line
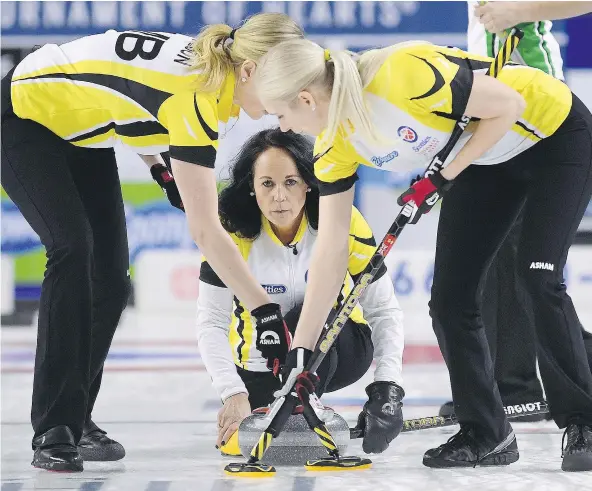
(425, 192)
(305, 383)
(164, 178)
(273, 336)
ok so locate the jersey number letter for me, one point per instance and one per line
(139, 42)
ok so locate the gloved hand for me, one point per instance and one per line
(425, 192)
(381, 420)
(293, 373)
(164, 178)
(273, 336)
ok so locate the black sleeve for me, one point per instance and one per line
(204, 156)
(461, 86)
(209, 276)
(339, 186)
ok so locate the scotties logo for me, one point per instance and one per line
(407, 134)
(275, 289)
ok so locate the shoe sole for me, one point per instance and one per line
(59, 467)
(577, 463)
(501, 459)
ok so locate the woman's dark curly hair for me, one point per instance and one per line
(239, 212)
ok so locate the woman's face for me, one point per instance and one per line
(279, 189)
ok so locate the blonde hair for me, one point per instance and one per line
(296, 65)
(215, 53)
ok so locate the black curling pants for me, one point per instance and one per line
(552, 184)
(72, 199)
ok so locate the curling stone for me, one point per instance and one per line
(296, 444)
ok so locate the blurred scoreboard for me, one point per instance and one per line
(355, 25)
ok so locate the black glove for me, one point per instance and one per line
(273, 337)
(293, 373)
(381, 420)
(164, 178)
(425, 192)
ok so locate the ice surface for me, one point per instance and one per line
(157, 400)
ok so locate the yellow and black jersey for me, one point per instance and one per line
(282, 271)
(415, 99)
(135, 87)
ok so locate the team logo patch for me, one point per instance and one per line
(379, 161)
(275, 289)
(407, 134)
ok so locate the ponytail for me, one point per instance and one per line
(347, 108)
(211, 57)
(216, 53)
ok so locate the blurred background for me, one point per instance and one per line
(165, 263)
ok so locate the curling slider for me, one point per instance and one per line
(245, 469)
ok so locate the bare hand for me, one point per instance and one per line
(497, 16)
(235, 409)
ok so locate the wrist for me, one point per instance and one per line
(300, 343)
(293, 357)
(446, 176)
(519, 12)
(230, 393)
(237, 396)
(438, 179)
(265, 310)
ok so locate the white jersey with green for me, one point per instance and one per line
(538, 48)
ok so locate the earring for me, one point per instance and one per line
(252, 193)
(314, 108)
(243, 80)
(308, 190)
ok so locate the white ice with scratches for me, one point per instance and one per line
(166, 421)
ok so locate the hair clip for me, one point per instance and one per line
(229, 40)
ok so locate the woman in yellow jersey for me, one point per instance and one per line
(532, 147)
(271, 210)
(63, 108)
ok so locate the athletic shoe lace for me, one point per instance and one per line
(576, 439)
(465, 437)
